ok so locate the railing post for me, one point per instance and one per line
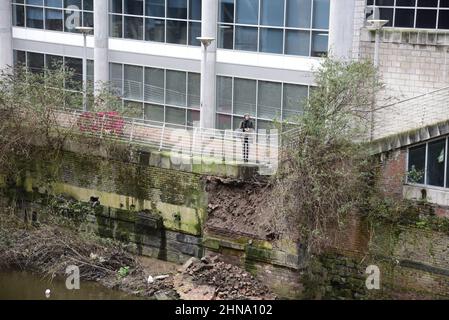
(162, 137)
(102, 126)
(132, 131)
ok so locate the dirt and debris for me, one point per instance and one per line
(49, 249)
(241, 207)
(212, 279)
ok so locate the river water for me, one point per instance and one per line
(22, 285)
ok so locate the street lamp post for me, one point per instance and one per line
(85, 31)
(204, 107)
(376, 25)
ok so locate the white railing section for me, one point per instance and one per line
(208, 145)
(410, 114)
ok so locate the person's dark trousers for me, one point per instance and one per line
(245, 149)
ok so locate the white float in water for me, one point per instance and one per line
(47, 293)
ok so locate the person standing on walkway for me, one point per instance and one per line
(246, 126)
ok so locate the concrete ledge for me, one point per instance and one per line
(409, 138)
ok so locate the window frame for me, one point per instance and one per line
(426, 163)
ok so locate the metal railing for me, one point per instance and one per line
(212, 145)
(410, 114)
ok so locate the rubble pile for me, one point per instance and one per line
(230, 282)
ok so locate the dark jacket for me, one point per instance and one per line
(246, 124)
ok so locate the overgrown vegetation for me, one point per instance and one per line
(31, 105)
(325, 168)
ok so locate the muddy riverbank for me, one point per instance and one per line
(42, 253)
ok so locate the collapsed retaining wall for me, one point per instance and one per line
(161, 213)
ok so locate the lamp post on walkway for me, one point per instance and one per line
(376, 25)
(206, 111)
(85, 31)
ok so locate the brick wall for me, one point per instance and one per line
(392, 172)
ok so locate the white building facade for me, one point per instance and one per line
(261, 61)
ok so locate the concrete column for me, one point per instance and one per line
(209, 14)
(341, 28)
(6, 49)
(101, 35)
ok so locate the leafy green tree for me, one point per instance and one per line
(324, 162)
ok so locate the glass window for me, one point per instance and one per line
(20, 58)
(244, 96)
(435, 163)
(298, 13)
(54, 3)
(264, 125)
(35, 17)
(72, 20)
(133, 27)
(132, 109)
(405, 3)
(269, 100)
(155, 30)
(226, 36)
(134, 7)
(155, 8)
(115, 26)
(444, 3)
(194, 87)
(386, 14)
(35, 2)
(88, 5)
(195, 9)
(416, 164)
(35, 61)
(226, 11)
(224, 122)
(154, 85)
(224, 94)
(176, 32)
(133, 78)
(153, 112)
(319, 44)
(428, 3)
(404, 18)
(272, 13)
(320, 14)
(176, 88)
(247, 11)
(18, 16)
(115, 6)
(294, 98)
(426, 19)
(177, 9)
(53, 19)
(88, 19)
(443, 20)
(271, 40)
(194, 32)
(193, 118)
(297, 42)
(116, 78)
(176, 116)
(75, 3)
(75, 66)
(236, 122)
(246, 38)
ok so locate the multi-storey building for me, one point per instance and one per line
(261, 61)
